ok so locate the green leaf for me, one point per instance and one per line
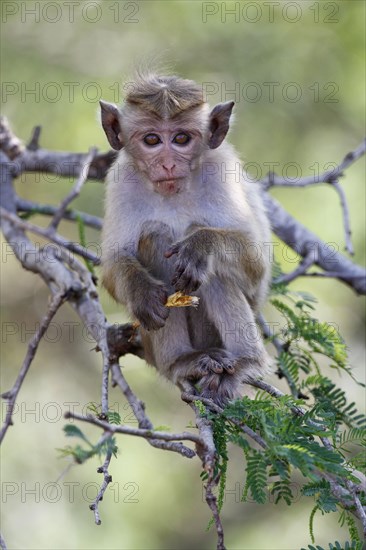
(73, 431)
(257, 477)
(162, 428)
(113, 417)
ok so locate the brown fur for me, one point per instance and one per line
(164, 96)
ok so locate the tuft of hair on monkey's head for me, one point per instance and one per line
(164, 96)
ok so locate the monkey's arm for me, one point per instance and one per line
(206, 251)
(131, 284)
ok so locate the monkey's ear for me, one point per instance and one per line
(111, 125)
(219, 123)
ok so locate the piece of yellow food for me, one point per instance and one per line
(178, 299)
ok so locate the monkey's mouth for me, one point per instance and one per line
(167, 187)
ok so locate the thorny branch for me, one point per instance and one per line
(69, 280)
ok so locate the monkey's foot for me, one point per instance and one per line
(221, 388)
(215, 361)
(212, 372)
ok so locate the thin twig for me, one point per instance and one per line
(121, 429)
(57, 239)
(360, 509)
(345, 214)
(2, 543)
(212, 503)
(280, 348)
(138, 408)
(302, 240)
(107, 479)
(337, 489)
(206, 450)
(328, 176)
(308, 260)
(49, 210)
(331, 177)
(33, 144)
(12, 394)
(75, 191)
(219, 410)
(278, 345)
(105, 385)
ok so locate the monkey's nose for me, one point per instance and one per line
(169, 168)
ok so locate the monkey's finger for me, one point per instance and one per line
(153, 324)
(229, 368)
(177, 275)
(216, 367)
(186, 282)
(187, 285)
(154, 319)
(227, 364)
(171, 251)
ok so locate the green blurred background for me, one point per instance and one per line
(296, 71)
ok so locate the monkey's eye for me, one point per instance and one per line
(182, 139)
(151, 139)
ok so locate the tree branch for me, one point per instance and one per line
(292, 232)
(12, 394)
(2, 543)
(345, 213)
(329, 176)
(347, 496)
(75, 191)
(138, 432)
(49, 210)
(138, 408)
(304, 242)
(67, 277)
(50, 235)
(107, 479)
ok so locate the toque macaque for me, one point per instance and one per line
(181, 216)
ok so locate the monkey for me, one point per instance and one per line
(180, 215)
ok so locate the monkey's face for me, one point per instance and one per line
(165, 149)
(166, 153)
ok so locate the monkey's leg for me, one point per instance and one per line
(207, 366)
(229, 310)
(171, 350)
(164, 346)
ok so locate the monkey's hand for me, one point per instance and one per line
(192, 262)
(147, 304)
